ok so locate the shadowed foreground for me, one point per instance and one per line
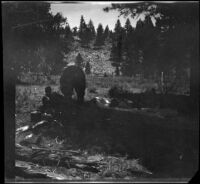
(160, 144)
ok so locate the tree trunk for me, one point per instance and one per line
(9, 121)
(194, 74)
(194, 77)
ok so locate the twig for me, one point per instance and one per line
(71, 151)
(58, 163)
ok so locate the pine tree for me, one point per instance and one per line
(87, 37)
(111, 34)
(92, 29)
(82, 28)
(116, 54)
(118, 28)
(128, 65)
(128, 37)
(174, 41)
(100, 36)
(106, 32)
(79, 61)
(117, 49)
(75, 32)
(128, 28)
(87, 68)
(24, 34)
(146, 42)
(68, 32)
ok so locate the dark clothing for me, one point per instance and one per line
(46, 102)
(73, 78)
(52, 102)
(56, 100)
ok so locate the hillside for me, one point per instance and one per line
(97, 57)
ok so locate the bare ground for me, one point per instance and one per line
(153, 144)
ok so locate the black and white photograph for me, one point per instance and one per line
(100, 91)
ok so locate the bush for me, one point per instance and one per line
(92, 90)
(118, 92)
(87, 68)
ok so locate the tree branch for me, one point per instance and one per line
(35, 22)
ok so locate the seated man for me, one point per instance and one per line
(52, 101)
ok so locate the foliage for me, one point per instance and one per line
(87, 68)
(117, 90)
(128, 28)
(165, 46)
(117, 43)
(79, 60)
(75, 32)
(68, 33)
(92, 32)
(28, 27)
(100, 36)
(129, 51)
(106, 32)
(86, 31)
(82, 28)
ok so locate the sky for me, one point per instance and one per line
(89, 10)
(94, 10)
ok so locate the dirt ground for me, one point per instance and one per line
(159, 144)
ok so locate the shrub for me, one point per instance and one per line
(118, 92)
(87, 68)
(92, 90)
